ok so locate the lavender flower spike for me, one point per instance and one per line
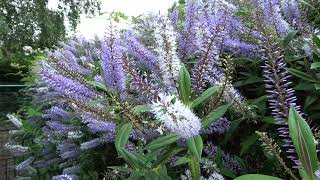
(175, 116)
(66, 86)
(139, 51)
(111, 62)
(187, 39)
(273, 16)
(291, 11)
(280, 95)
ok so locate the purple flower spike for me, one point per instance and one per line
(273, 16)
(174, 17)
(187, 38)
(112, 64)
(66, 86)
(280, 96)
(291, 11)
(139, 51)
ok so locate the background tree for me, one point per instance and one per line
(30, 23)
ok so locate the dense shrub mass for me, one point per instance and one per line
(196, 94)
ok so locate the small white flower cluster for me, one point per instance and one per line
(27, 50)
(16, 147)
(75, 134)
(175, 116)
(14, 120)
(166, 48)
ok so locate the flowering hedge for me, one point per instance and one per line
(155, 100)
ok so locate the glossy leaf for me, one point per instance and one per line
(303, 141)
(204, 96)
(99, 86)
(162, 142)
(195, 146)
(132, 159)
(164, 158)
(184, 84)
(301, 75)
(194, 167)
(316, 40)
(183, 160)
(214, 115)
(291, 35)
(257, 177)
(122, 135)
(315, 65)
(141, 109)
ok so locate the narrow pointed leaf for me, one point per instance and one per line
(183, 160)
(214, 115)
(122, 135)
(195, 146)
(256, 176)
(315, 65)
(301, 75)
(164, 158)
(184, 84)
(204, 96)
(194, 167)
(162, 142)
(141, 109)
(131, 158)
(291, 35)
(303, 141)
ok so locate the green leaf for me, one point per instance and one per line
(214, 115)
(317, 86)
(183, 160)
(99, 86)
(162, 142)
(316, 40)
(309, 100)
(164, 158)
(194, 167)
(303, 141)
(122, 135)
(152, 156)
(315, 65)
(291, 35)
(151, 175)
(204, 96)
(227, 172)
(195, 146)
(268, 119)
(141, 109)
(162, 171)
(134, 176)
(184, 84)
(256, 177)
(245, 145)
(301, 75)
(133, 160)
